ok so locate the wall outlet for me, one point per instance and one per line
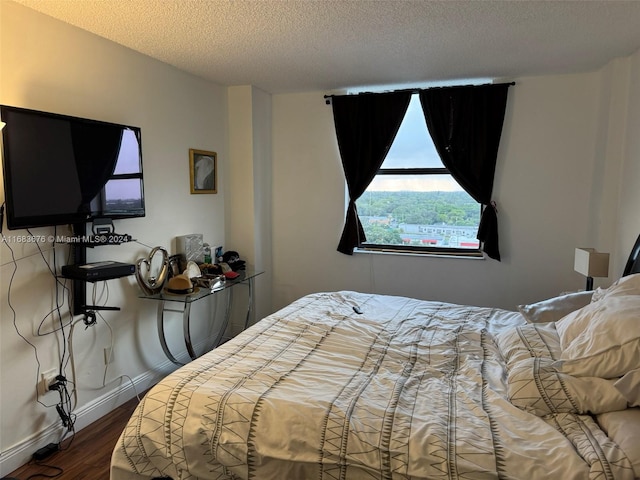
(108, 355)
(46, 379)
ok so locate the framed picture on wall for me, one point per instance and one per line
(203, 171)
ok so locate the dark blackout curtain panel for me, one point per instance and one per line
(96, 149)
(465, 124)
(366, 126)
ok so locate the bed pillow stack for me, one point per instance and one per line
(602, 339)
(535, 385)
(609, 345)
(584, 358)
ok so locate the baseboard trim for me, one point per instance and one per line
(22, 453)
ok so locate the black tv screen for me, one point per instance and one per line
(60, 169)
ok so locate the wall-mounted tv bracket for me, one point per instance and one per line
(79, 287)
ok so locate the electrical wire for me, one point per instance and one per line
(98, 315)
(108, 362)
(65, 290)
(143, 244)
(64, 407)
(65, 410)
(58, 307)
(14, 316)
(95, 298)
(59, 471)
(30, 255)
(68, 400)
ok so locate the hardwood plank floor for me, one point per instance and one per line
(89, 455)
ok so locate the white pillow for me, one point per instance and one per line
(629, 387)
(534, 385)
(629, 285)
(601, 339)
(553, 309)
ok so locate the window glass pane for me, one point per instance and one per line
(428, 217)
(129, 157)
(413, 147)
(122, 195)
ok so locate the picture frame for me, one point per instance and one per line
(203, 171)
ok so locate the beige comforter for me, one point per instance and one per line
(407, 389)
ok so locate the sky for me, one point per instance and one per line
(413, 147)
(129, 159)
(128, 162)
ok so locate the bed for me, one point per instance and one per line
(348, 385)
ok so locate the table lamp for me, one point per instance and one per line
(591, 263)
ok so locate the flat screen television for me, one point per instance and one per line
(60, 169)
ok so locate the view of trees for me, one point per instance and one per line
(382, 234)
(384, 214)
(421, 208)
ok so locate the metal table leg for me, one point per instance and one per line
(163, 340)
(186, 326)
(250, 304)
(227, 316)
(186, 330)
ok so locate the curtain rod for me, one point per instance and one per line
(418, 90)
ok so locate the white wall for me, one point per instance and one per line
(561, 135)
(248, 211)
(628, 220)
(50, 66)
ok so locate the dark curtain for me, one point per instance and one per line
(366, 126)
(96, 148)
(465, 124)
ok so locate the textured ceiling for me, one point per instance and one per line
(306, 45)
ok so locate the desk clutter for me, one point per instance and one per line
(191, 268)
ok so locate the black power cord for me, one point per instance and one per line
(63, 407)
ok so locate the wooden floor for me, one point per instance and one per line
(88, 456)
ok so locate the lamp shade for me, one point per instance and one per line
(591, 263)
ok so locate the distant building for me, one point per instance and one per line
(440, 235)
(430, 235)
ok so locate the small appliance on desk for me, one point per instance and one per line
(98, 271)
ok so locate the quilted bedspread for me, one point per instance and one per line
(406, 389)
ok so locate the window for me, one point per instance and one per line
(123, 191)
(413, 203)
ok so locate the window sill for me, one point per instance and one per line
(379, 250)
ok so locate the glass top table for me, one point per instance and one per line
(170, 302)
